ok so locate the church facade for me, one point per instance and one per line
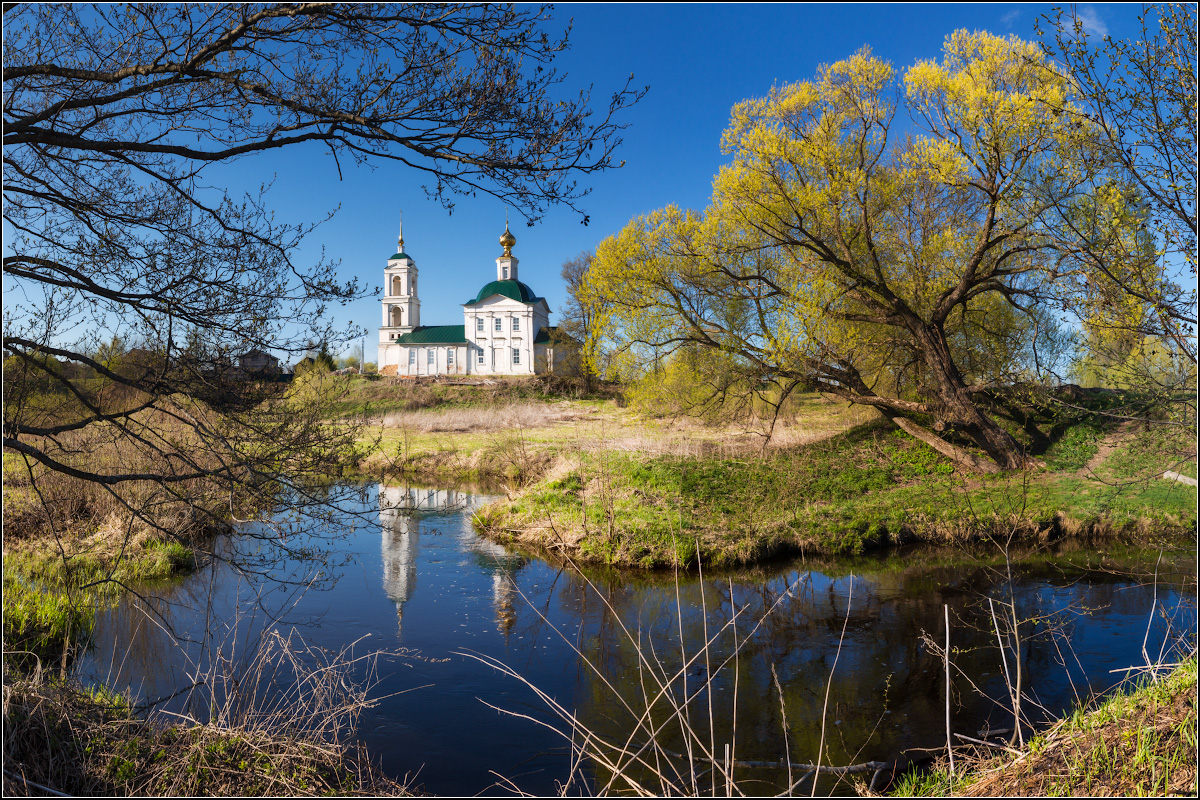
(506, 327)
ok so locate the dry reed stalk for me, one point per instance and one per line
(298, 742)
(829, 685)
(1016, 707)
(949, 741)
(662, 766)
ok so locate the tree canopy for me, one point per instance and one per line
(905, 272)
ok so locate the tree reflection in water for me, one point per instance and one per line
(887, 694)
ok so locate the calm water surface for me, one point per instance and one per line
(412, 577)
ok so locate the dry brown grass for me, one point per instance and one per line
(62, 530)
(60, 738)
(428, 436)
(1140, 742)
(154, 443)
(477, 419)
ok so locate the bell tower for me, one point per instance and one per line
(506, 264)
(401, 306)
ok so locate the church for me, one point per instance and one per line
(506, 327)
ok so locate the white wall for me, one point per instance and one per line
(497, 345)
(441, 360)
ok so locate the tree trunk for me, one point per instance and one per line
(956, 409)
(952, 452)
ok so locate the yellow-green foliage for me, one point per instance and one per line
(692, 381)
(823, 229)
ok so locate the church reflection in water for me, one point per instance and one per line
(401, 512)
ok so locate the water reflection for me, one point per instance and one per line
(401, 511)
(594, 640)
(774, 639)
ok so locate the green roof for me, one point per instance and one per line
(434, 334)
(513, 290)
(400, 255)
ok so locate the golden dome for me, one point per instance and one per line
(508, 240)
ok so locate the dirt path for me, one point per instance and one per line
(1106, 448)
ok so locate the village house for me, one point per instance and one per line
(505, 329)
(258, 361)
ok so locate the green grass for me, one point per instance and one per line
(1152, 452)
(869, 487)
(44, 623)
(1138, 741)
(153, 561)
(50, 602)
(47, 610)
(1077, 445)
(638, 495)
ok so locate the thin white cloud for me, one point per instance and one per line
(1089, 18)
(1011, 17)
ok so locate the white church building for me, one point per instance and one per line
(505, 328)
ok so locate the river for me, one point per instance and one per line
(833, 641)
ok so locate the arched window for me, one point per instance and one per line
(396, 285)
(397, 316)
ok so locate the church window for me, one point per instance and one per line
(412, 356)
(516, 323)
(480, 360)
(506, 273)
(479, 324)
(516, 356)
(499, 324)
(450, 357)
(429, 356)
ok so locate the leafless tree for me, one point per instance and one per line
(1140, 99)
(112, 114)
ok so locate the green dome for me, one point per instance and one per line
(400, 255)
(514, 290)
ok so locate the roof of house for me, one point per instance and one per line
(434, 334)
(514, 290)
(555, 334)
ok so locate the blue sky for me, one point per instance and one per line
(698, 60)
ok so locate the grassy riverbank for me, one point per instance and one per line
(1137, 742)
(74, 546)
(70, 547)
(866, 488)
(603, 484)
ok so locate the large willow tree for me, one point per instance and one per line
(901, 270)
